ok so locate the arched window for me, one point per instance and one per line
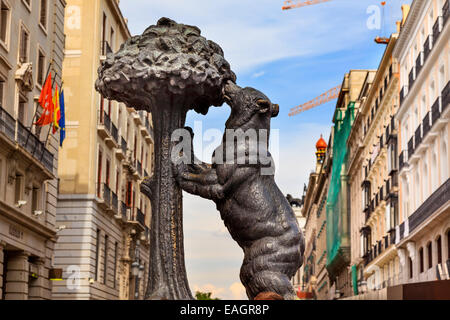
(430, 254)
(439, 250)
(410, 264)
(421, 268)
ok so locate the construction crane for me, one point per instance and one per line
(323, 98)
(297, 4)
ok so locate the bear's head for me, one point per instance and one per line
(249, 107)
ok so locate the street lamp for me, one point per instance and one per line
(135, 268)
(337, 294)
(141, 271)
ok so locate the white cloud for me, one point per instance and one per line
(258, 74)
(253, 33)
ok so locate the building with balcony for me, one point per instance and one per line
(372, 171)
(423, 52)
(108, 151)
(30, 38)
(340, 195)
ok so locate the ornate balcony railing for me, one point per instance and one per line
(418, 136)
(419, 63)
(140, 217)
(139, 167)
(114, 201)
(430, 205)
(106, 194)
(410, 147)
(107, 122)
(427, 47)
(7, 124)
(426, 124)
(123, 145)
(25, 138)
(124, 210)
(445, 12)
(114, 132)
(436, 110)
(437, 29)
(403, 159)
(445, 94)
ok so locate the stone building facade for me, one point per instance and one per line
(315, 282)
(339, 194)
(373, 179)
(31, 39)
(423, 52)
(104, 249)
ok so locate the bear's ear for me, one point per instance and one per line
(275, 110)
(264, 105)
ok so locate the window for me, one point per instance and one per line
(18, 189)
(40, 68)
(439, 250)
(35, 200)
(5, 17)
(99, 173)
(448, 244)
(421, 260)
(24, 45)
(97, 254)
(410, 263)
(117, 181)
(43, 14)
(394, 212)
(108, 165)
(2, 91)
(116, 252)
(430, 255)
(104, 35)
(111, 39)
(105, 260)
(21, 112)
(129, 194)
(392, 156)
(102, 108)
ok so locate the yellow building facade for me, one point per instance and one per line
(104, 249)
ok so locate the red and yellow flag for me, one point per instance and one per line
(57, 110)
(45, 100)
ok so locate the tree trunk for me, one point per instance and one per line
(167, 274)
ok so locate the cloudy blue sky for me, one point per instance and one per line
(292, 56)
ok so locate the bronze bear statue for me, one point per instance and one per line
(254, 210)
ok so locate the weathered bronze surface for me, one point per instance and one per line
(255, 211)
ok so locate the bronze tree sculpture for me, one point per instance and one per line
(254, 210)
(168, 70)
